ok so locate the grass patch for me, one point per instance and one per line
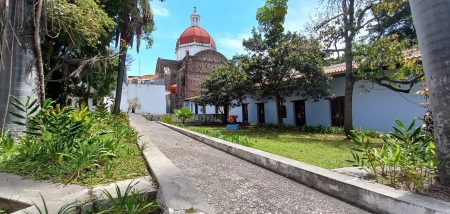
(112, 135)
(324, 150)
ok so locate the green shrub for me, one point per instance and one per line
(183, 114)
(6, 142)
(370, 133)
(7, 145)
(406, 159)
(167, 118)
(70, 143)
(321, 129)
(217, 134)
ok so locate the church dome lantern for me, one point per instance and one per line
(194, 39)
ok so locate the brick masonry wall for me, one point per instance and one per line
(188, 74)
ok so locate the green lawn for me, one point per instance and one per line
(324, 150)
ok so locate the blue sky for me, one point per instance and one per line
(228, 22)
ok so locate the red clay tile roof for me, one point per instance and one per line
(144, 77)
(337, 68)
(340, 68)
(195, 34)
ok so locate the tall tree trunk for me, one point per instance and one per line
(120, 78)
(349, 11)
(226, 114)
(38, 51)
(349, 84)
(279, 116)
(431, 19)
(17, 57)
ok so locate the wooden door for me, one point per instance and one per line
(300, 115)
(261, 113)
(245, 113)
(337, 111)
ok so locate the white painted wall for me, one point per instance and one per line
(380, 107)
(193, 48)
(374, 107)
(152, 98)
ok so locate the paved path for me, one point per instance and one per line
(27, 191)
(232, 185)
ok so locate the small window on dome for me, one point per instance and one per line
(187, 52)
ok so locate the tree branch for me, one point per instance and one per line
(382, 81)
(50, 73)
(327, 21)
(394, 88)
(361, 16)
(410, 81)
(86, 63)
(360, 26)
(335, 50)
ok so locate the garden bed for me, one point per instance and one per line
(74, 146)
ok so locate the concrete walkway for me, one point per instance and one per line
(232, 185)
(27, 191)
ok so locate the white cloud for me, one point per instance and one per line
(233, 44)
(161, 11)
(299, 14)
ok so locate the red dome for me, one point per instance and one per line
(195, 34)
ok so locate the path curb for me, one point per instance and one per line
(19, 193)
(371, 196)
(176, 193)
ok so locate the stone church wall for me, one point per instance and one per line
(200, 67)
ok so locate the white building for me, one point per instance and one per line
(149, 91)
(374, 107)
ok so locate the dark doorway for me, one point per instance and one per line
(300, 115)
(245, 113)
(337, 111)
(196, 108)
(261, 113)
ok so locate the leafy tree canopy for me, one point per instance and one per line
(280, 63)
(134, 20)
(397, 68)
(227, 87)
(78, 22)
(386, 55)
(77, 58)
(394, 19)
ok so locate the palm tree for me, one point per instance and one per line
(135, 23)
(17, 56)
(432, 25)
